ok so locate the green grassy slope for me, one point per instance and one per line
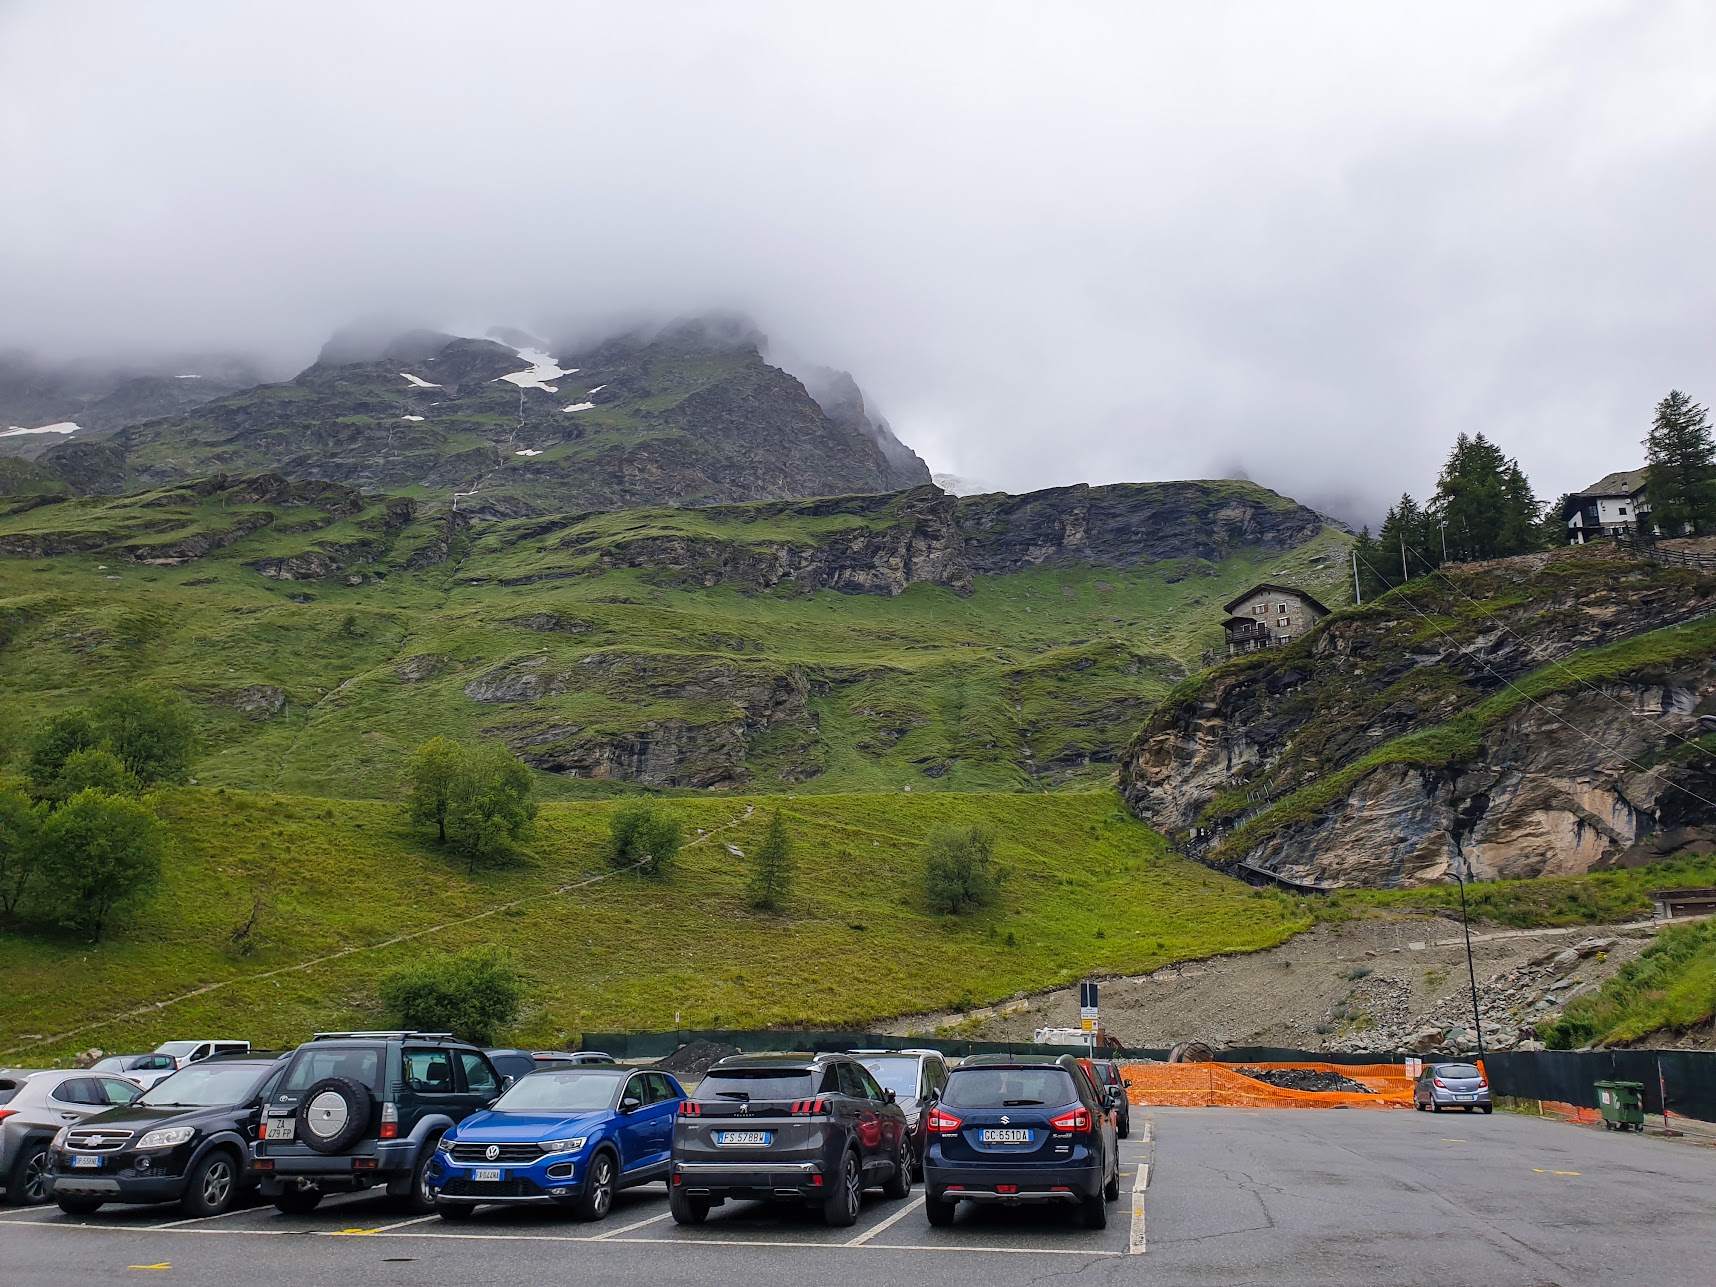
(1088, 890)
(321, 685)
(1671, 987)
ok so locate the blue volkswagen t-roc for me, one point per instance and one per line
(570, 1137)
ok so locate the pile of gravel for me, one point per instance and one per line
(1306, 1079)
(693, 1058)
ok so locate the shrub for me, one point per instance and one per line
(99, 852)
(960, 870)
(148, 731)
(20, 821)
(644, 838)
(472, 995)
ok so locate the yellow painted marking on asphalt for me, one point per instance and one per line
(165, 1264)
(1541, 1171)
(351, 1233)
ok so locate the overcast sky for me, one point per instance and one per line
(1304, 242)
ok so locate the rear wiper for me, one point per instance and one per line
(735, 1094)
(1015, 1103)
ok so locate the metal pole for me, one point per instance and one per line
(1404, 574)
(1444, 526)
(1358, 591)
(1471, 970)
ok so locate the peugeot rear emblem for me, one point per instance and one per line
(492, 1152)
(744, 1110)
(1005, 1119)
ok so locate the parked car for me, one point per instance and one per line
(145, 1070)
(1452, 1086)
(187, 1140)
(1108, 1078)
(1015, 1130)
(354, 1110)
(916, 1078)
(521, 1063)
(568, 1136)
(33, 1108)
(816, 1129)
(191, 1052)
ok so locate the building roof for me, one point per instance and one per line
(1622, 483)
(1231, 604)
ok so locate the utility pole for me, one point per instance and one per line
(1358, 591)
(1404, 575)
(1471, 970)
(1444, 526)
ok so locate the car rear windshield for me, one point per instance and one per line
(114, 1064)
(1008, 1087)
(206, 1086)
(177, 1048)
(1459, 1072)
(747, 1084)
(560, 1092)
(896, 1073)
(361, 1064)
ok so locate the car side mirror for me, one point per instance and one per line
(630, 1104)
(1127, 1082)
(506, 1084)
(888, 1096)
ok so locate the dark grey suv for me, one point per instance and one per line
(354, 1110)
(816, 1129)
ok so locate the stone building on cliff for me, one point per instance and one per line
(1268, 616)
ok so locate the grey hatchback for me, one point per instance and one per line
(1452, 1086)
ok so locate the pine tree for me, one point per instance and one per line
(773, 871)
(1368, 557)
(1404, 544)
(1483, 504)
(1681, 481)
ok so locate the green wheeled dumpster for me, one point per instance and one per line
(1622, 1103)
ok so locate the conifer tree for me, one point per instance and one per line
(773, 871)
(1681, 482)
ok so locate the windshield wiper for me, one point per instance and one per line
(735, 1094)
(1017, 1103)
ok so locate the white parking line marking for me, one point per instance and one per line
(29, 1214)
(1135, 1246)
(174, 1224)
(400, 1224)
(636, 1224)
(889, 1223)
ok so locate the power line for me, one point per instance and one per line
(1553, 661)
(1590, 737)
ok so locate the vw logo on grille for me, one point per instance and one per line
(492, 1152)
(1005, 1119)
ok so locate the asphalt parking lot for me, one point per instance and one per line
(1209, 1196)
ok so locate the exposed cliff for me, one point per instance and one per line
(1531, 716)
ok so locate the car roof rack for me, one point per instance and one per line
(432, 1036)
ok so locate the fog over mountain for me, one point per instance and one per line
(1308, 244)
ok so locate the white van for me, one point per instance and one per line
(191, 1052)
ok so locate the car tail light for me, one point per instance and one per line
(1438, 1083)
(943, 1123)
(1006, 1188)
(809, 1107)
(389, 1122)
(1077, 1121)
(6, 1112)
(690, 1108)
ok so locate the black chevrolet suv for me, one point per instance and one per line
(187, 1140)
(802, 1128)
(354, 1110)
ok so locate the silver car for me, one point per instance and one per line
(1459, 1085)
(145, 1070)
(34, 1106)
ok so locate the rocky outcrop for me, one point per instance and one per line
(1300, 763)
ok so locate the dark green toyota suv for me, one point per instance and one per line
(358, 1109)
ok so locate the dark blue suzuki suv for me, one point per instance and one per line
(1014, 1130)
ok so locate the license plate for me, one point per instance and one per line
(81, 1160)
(486, 1177)
(742, 1137)
(1465, 1096)
(281, 1128)
(997, 1136)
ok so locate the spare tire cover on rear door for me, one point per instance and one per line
(334, 1114)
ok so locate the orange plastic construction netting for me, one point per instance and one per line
(1220, 1086)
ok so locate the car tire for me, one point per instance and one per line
(296, 1201)
(339, 1104)
(27, 1185)
(455, 1210)
(419, 1199)
(600, 1180)
(212, 1185)
(1488, 1109)
(1417, 1106)
(899, 1184)
(687, 1209)
(79, 1206)
(1435, 1107)
(1095, 1212)
(1111, 1190)
(939, 1210)
(841, 1209)
(1125, 1127)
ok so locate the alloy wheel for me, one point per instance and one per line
(854, 1190)
(36, 1178)
(217, 1183)
(603, 1180)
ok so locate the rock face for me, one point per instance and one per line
(1281, 763)
(687, 415)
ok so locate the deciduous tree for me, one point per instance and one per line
(642, 836)
(99, 852)
(960, 870)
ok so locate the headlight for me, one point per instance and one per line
(565, 1146)
(443, 1145)
(167, 1138)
